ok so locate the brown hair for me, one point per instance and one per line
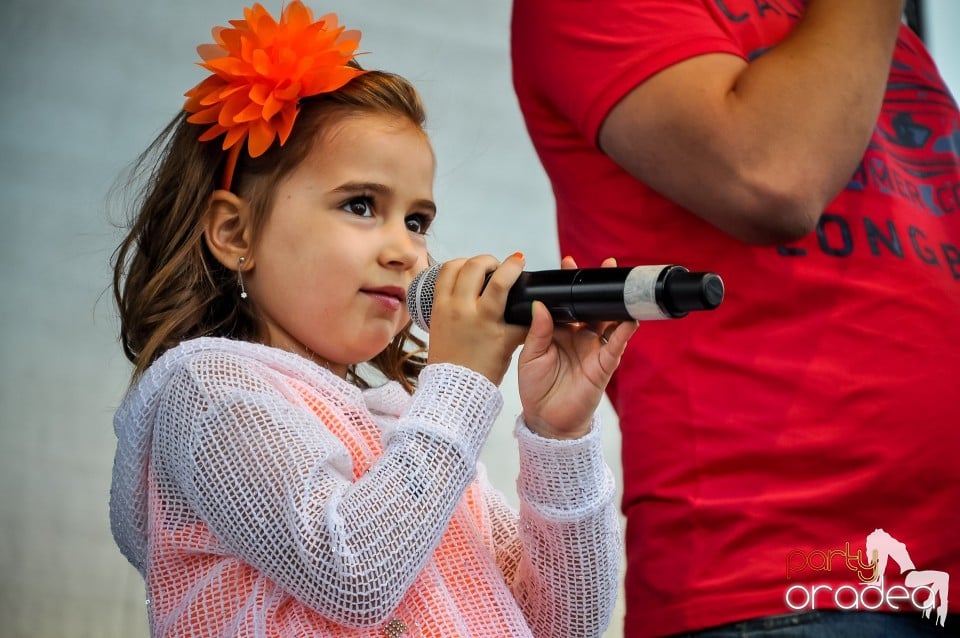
(168, 286)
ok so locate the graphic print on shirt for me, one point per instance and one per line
(923, 157)
(912, 158)
(742, 10)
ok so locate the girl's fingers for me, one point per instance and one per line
(477, 286)
(540, 336)
(502, 279)
(614, 344)
(447, 278)
(618, 335)
(470, 279)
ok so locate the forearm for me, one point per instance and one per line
(381, 530)
(759, 148)
(349, 549)
(567, 578)
(809, 106)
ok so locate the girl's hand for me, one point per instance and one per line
(467, 326)
(564, 369)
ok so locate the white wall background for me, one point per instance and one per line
(942, 33)
(86, 86)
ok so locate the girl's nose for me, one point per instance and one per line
(400, 248)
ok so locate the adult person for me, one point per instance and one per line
(807, 152)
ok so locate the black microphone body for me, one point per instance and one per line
(591, 294)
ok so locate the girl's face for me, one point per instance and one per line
(343, 240)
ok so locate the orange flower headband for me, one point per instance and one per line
(261, 69)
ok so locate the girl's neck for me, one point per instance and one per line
(336, 368)
(285, 342)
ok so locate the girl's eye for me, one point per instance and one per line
(361, 206)
(418, 223)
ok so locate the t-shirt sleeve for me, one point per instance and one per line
(583, 57)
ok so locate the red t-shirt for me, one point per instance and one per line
(763, 441)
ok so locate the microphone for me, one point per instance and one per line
(590, 294)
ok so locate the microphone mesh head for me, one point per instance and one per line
(420, 296)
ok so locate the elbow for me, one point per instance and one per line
(354, 590)
(353, 595)
(776, 210)
(366, 614)
(357, 604)
(777, 225)
(758, 203)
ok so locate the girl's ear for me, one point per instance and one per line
(227, 229)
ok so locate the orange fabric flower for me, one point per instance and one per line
(261, 69)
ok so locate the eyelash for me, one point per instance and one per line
(366, 200)
(423, 219)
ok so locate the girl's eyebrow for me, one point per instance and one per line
(382, 190)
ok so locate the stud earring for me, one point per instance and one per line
(243, 291)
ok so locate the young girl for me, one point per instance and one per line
(261, 486)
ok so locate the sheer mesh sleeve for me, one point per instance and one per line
(245, 454)
(561, 557)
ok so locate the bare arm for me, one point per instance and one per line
(760, 149)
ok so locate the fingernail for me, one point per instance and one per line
(517, 255)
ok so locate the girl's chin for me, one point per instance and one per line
(363, 352)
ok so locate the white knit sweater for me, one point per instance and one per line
(259, 494)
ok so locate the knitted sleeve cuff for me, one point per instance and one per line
(455, 403)
(566, 479)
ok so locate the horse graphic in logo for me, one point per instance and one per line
(882, 547)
